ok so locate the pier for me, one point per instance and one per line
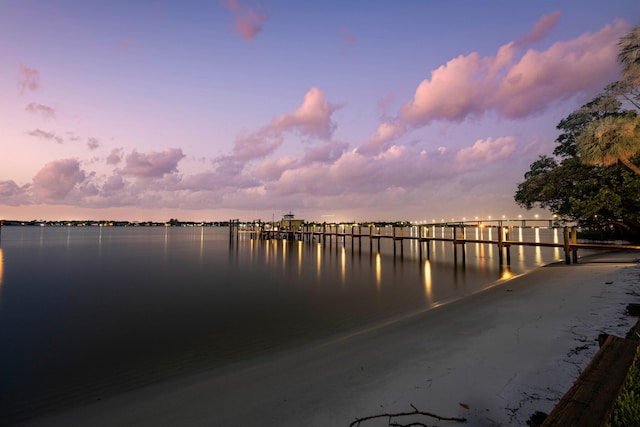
(452, 232)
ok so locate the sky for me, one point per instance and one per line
(206, 110)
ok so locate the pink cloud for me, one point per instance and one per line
(113, 184)
(12, 194)
(51, 136)
(560, 72)
(256, 145)
(326, 153)
(272, 169)
(312, 118)
(28, 79)
(56, 179)
(93, 143)
(386, 132)
(115, 156)
(248, 22)
(152, 164)
(43, 110)
(541, 29)
(472, 85)
(484, 152)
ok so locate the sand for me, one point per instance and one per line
(493, 358)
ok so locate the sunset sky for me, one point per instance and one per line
(334, 110)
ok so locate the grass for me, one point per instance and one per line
(626, 409)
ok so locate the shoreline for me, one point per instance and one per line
(494, 358)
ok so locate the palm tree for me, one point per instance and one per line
(629, 55)
(609, 140)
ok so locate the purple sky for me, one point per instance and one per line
(209, 110)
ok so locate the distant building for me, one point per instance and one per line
(289, 223)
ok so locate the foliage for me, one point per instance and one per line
(629, 55)
(626, 410)
(611, 139)
(593, 177)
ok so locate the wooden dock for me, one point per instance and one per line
(339, 233)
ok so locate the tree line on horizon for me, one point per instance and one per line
(593, 177)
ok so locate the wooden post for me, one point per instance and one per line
(574, 240)
(508, 246)
(567, 248)
(324, 233)
(370, 239)
(464, 246)
(394, 240)
(500, 245)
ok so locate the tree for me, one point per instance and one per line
(615, 137)
(611, 139)
(594, 178)
(629, 55)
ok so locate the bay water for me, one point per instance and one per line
(89, 312)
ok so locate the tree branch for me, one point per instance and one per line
(357, 421)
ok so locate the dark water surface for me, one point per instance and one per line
(86, 312)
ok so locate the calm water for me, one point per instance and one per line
(88, 312)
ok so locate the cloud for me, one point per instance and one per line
(115, 156)
(93, 143)
(56, 179)
(386, 132)
(43, 110)
(46, 135)
(326, 153)
(152, 164)
(12, 194)
(541, 29)
(272, 169)
(248, 22)
(484, 152)
(113, 184)
(256, 145)
(28, 79)
(312, 118)
(471, 85)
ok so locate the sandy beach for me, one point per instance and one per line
(493, 358)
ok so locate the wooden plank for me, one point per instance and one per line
(590, 400)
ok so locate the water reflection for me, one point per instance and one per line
(343, 265)
(378, 270)
(426, 273)
(1, 267)
(538, 251)
(284, 254)
(319, 247)
(201, 244)
(299, 258)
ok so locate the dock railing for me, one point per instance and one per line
(425, 233)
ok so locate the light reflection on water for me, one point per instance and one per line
(120, 305)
